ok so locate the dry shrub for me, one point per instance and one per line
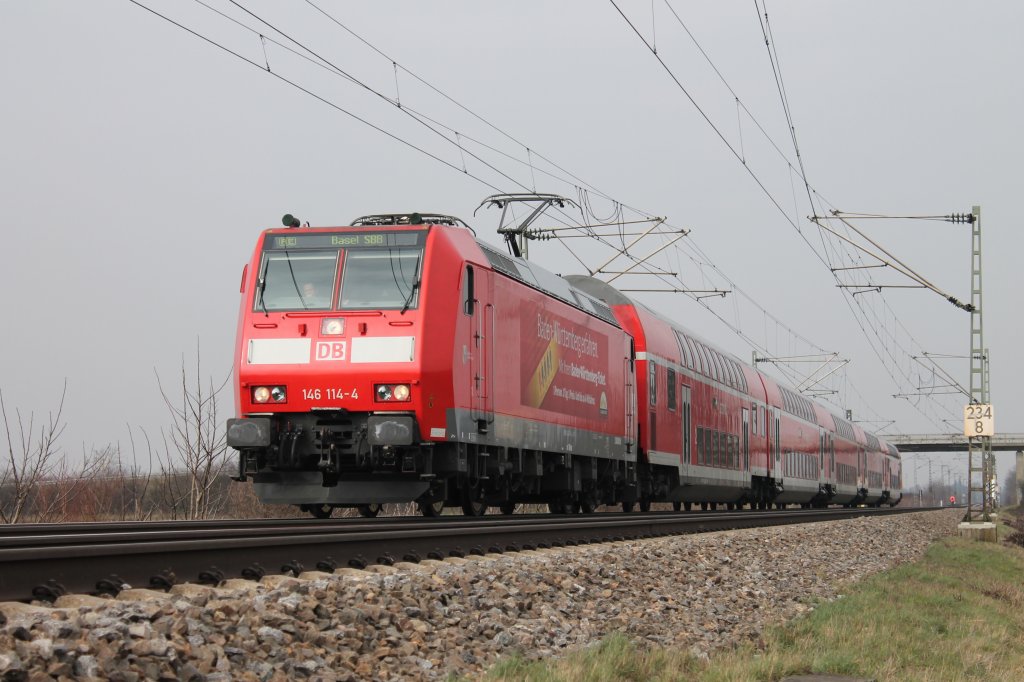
(1016, 522)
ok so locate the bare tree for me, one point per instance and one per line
(31, 458)
(117, 490)
(195, 451)
(63, 494)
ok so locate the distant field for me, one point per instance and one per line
(957, 614)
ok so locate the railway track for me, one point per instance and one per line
(43, 561)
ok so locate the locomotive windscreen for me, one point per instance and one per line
(376, 270)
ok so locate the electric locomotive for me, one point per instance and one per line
(399, 359)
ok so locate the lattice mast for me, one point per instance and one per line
(980, 461)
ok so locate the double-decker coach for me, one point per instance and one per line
(713, 430)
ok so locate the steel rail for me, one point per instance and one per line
(43, 562)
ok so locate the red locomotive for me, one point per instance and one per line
(400, 359)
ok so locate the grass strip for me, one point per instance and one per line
(955, 615)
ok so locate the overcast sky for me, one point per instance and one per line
(140, 163)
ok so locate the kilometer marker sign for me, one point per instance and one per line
(979, 420)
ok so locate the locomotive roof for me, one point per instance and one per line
(414, 218)
(554, 285)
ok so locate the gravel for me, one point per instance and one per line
(425, 621)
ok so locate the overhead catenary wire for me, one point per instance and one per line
(529, 151)
(773, 56)
(617, 206)
(310, 93)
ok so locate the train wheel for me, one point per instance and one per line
(320, 511)
(645, 504)
(472, 506)
(431, 509)
(627, 507)
(369, 511)
(677, 506)
(558, 507)
(507, 508)
(687, 506)
(588, 503)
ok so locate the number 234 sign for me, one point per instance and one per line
(978, 421)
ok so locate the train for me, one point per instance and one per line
(400, 359)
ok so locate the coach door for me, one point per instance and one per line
(684, 394)
(821, 454)
(629, 372)
(746, 439)
(776, 445)
(860, 468)
(478, 306)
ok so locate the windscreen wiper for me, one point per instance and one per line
(415, 285)
(262, 288)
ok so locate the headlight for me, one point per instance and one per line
(266, 394)
(384, 393)
(332, 326)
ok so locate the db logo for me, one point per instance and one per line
(330, 350)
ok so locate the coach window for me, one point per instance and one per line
(652, 382)
(712, 370)
(716, 456)
(737, 372)
(670, 387)
(719, 374)
(693, 353)
(710, 360)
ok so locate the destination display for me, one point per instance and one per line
(343, 240)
